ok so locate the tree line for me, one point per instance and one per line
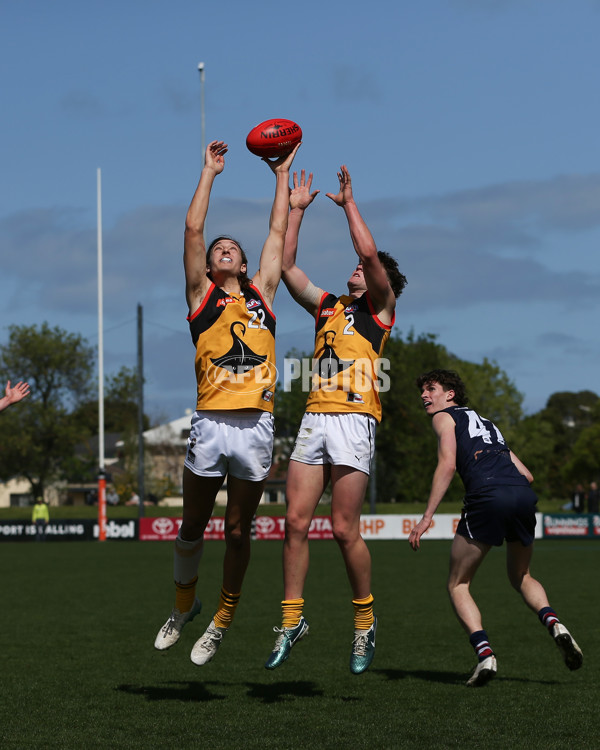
(52, 435)
(559, 444)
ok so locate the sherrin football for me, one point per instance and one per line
(274, 137)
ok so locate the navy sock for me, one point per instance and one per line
(481, 645)
(548, 617)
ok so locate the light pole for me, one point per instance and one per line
(202, 123)
(101, 472)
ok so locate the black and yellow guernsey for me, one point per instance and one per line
(349, 342)
(234, 336)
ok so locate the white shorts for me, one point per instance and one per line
(231, 442)
(338, 439)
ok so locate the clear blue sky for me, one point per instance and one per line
(470, 128)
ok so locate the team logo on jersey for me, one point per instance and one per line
(329, 364)
(252, 303)
(327, 312)
(351, 308)
(240, 365)
(225, 301)
(240, 358)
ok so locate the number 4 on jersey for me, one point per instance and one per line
(477, 428)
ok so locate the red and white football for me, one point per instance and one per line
(274, 137)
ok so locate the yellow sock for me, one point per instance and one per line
(185, 593)
(363, 613)
(291, 612)
(226, 610)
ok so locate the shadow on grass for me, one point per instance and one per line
(449, 678)
(200, 693)
(281, 691)
(196, 692)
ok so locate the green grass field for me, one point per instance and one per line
(79, 668)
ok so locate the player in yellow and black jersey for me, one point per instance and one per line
(233, 329)
(234, 336)
(335, 442)
(349, 342)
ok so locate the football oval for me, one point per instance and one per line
(273, 137)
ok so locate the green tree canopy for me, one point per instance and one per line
(563, 436)
(38, 436)
(120, 405)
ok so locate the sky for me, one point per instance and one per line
(470, 128)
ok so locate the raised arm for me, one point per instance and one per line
(299, 285)
(443, 426)
(376, 278)
(268, 276)
(13, 394)
(194, 247)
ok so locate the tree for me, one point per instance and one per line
(38, 438)
(582, 464)
(120, 405)
(569, 417)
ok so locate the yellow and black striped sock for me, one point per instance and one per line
(185, 593)
(363, 613)
(291, 612)
(226, 610)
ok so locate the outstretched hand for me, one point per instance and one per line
(300, 195)
(345, 193)
(283, 163)
(214, 157)
(14, 394)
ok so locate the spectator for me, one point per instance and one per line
(578, 499)
(134, 499)
(593, 498)
(40, 517)
(112, 497)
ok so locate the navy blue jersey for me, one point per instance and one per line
(482, 456)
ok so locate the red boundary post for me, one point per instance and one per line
(101, 508)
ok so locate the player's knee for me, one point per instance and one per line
(296, 525)
(344, 534)
(235, 536)
(190, 530)
(516, 579)
(454, 585)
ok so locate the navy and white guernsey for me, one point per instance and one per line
(482, 456)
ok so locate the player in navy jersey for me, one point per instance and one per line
(499, 505)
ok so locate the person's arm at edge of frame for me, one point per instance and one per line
(268, 276)
(376, 279)
(297, 282)
(443, 426)
(14, 394)
(194, 246)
